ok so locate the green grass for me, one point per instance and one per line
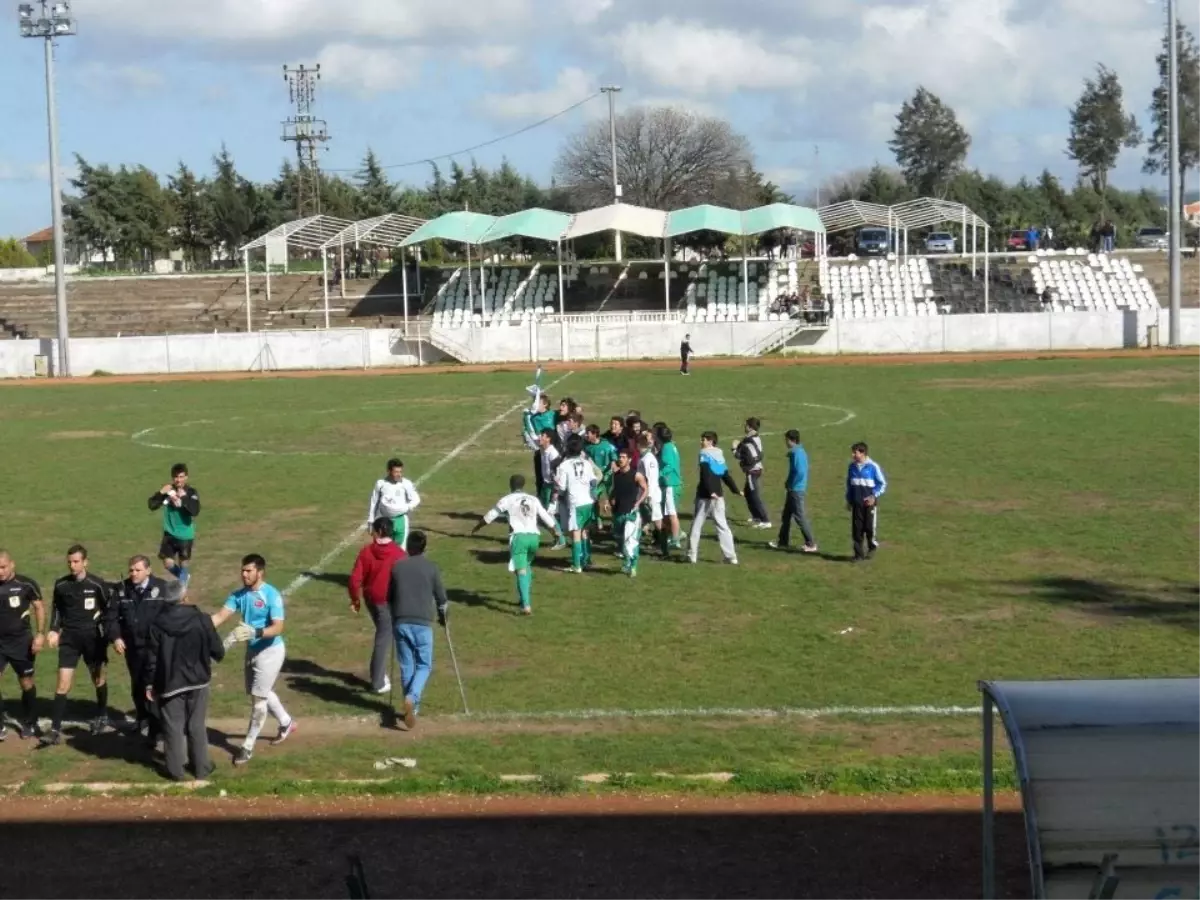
(1040, 522)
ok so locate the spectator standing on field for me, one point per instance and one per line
(749, 454)
(795, 506)
(369, 580)
(183, 644)
(685, 353)
(416, 597)
(865, 484)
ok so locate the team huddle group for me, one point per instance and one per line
(168, 644)
(631, 475)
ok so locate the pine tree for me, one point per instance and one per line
(929, 143)
(193, 216)
(1100, 129)
(1158, 151)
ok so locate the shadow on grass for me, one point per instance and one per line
(476, 599)
(481, 536)
(332, 686)
(1174, 604)
(341, 579)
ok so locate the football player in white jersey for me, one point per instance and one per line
(524, 512)
(577, 480)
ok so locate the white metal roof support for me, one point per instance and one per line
(562, 305)
(667, 275)
(325, 283)
(246, 260)
(404, 289)
(986, 258)
(342, 269)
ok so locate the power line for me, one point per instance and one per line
(504, 137)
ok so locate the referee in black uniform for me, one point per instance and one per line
(76, 629)
(139, 599)
(20, 597)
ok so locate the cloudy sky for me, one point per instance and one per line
(159, 81)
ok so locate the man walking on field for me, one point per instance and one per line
(710, 499)
(369, 580)
(416, 597)
(394, 497)
(180, 505)
(524, 511)
(795, 507)
(260, 607)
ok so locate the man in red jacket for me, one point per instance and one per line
(372, 572)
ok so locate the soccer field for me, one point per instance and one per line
(1040, 522)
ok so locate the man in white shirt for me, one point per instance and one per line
(576, 482)
(524, 512)
(653, 506)
(394, 497)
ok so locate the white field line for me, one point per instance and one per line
(349, 540)
(916, 711)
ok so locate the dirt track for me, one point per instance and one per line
(901, 359)
(575, 846)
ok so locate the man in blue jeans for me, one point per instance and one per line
(415, 598)
(794, 508)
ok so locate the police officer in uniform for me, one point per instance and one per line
(20, 598)
(77, 631)
(138, 601)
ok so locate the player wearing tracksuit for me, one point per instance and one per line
(749, 454)
(865, 484)
(710, 499)
(628, 495)
(394, 497)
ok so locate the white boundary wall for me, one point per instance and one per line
(592, 338)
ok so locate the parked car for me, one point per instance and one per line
(939, 242)
(1018, 240)
(1152, 239)
(871, 242)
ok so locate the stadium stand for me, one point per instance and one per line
(700, 291)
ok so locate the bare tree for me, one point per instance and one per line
(667, 158)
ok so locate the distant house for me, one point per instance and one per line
(39, 241)
(1191, 213)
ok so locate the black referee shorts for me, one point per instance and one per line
(19, 653)
(86, 645)
(174, 548)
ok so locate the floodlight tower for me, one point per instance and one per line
(306, 132)
(48, 20)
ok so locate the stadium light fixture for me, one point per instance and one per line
(49, 20)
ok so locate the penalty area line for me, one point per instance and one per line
(349, 540)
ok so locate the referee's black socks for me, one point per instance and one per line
(28, 699)
(102, 701)
(60, 707)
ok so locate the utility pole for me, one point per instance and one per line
(52, 20)
(612, 91)
(306, 132)
(1174, 279)
(817, 169)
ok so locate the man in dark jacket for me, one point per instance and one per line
(183, 645)
(416, 597)
(139, 600)
(749, 454)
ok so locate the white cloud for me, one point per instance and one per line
(292, 21)
(135, 79)
(490, 56)
(366, 69)
(694, 58)
(788, 176)
(571, 86)
(585, 12)
(693, 105)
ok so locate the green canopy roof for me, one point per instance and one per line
(464, 227)
(704, 217)
(541, 224)
(781, 215)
